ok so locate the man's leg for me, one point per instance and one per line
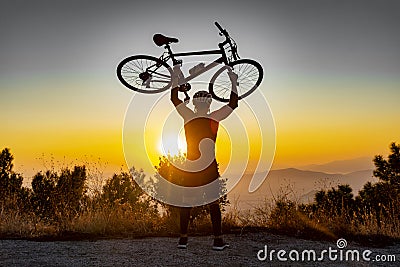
(216, 219)
(184, 216)
(184, 220)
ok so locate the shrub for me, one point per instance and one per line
(58, 197)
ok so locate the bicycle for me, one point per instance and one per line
(148, 74)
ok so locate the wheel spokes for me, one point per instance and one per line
(159, 76)
(248, 75)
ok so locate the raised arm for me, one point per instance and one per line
(174, 96)
(180, 106)
(234, 98)
(226, 110)
(175, 86)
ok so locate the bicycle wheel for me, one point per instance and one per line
(250, 74)
(144, 74)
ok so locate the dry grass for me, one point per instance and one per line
(121, 220)
(14, 224)
(286, 217)
(111, 221)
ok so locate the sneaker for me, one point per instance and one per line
(219, 244)
(183, 242)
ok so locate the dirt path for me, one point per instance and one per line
(162, 251)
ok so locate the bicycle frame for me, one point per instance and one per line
(223, 59)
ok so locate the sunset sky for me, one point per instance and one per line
(332, 74)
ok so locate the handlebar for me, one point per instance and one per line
(228, 40)
(223, 31)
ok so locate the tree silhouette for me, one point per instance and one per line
(382, 199)
(375, 200)
(337, 202)
(12, 194)
(10, 182)
(122, 189)
(389, 170)
(58, 197)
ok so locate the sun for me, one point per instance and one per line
(172, 143)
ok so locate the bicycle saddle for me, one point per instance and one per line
(160, 39)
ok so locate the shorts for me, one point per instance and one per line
(181, 177)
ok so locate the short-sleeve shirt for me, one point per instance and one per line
(199, 128)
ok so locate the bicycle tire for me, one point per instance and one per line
(250, 74)
(133, 72)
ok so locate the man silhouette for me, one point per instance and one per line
(201, 167)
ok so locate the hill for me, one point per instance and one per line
(297, 184)
(341, 166)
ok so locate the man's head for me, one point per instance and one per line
(202, 101)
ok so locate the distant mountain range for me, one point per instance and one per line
(299, 185)
(342, 166)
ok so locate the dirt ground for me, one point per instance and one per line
(162, 251)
